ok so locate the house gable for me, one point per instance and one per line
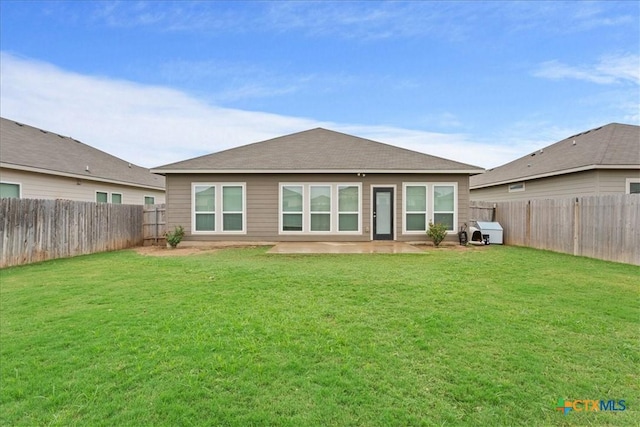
(317, 151)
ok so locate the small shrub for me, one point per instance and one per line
(437, 232)
(175, 237)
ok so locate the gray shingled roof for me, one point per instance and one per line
(317, 150)
(29, 148)
(612, 146)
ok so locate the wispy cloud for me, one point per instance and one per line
(608, 70)
(151, 125)
(453, 21)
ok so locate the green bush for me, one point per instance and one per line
(437, 232)
(174, 237)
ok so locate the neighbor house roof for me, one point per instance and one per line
(613, 146)
(28, 148)
(317, 151)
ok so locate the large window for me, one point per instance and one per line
(232, 208)
(415, 202)
(320, 208)
(348, 208)
(9, 190)
(205, 207)
(218, 208)
(292, 208)
(444, 205)
(429, 202)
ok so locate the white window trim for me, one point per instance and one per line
(218, 211)
(455, 203)
(627, 188)
(121, 198)
(306, 208)
(144, 199)
(404, 206)
(430, 188)
(19, 184)
(104, 192)
(331, 213)
(109, 197)
(516, 190)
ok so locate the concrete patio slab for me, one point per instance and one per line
(343, 248)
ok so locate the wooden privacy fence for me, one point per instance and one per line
(604, 227)
(37, 230)
(154, 224)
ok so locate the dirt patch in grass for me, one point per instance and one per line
(164, 251)
(450, 247)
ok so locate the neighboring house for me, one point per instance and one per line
(605, 160)
(37, 164)
(316, 185)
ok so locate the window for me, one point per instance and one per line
(348, 208)
(320, 208)
(116, 198)
(444, 197)
(9, 190)
(516, 187)
(205, 208)
(633, 186)
(102, 197)
(218, 208)
(292, 208)
(429, 202)
(232, 208)
(149, 200)
(415, 202)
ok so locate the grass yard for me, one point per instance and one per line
(485, 337)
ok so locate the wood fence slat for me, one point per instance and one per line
(604, 227)
(36, 230)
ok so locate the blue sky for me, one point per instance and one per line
(478, 82)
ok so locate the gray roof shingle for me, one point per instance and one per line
(612, 145)
(317, 150)
(27, 147)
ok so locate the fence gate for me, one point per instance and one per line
(154, 224)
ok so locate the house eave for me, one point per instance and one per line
(77, 176)
(550, 174)
(316, 171)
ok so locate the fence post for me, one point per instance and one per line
(527, 225)
(576, 227)
(155, 234)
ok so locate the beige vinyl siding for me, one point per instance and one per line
(43, 186)
(615, 181)
(587, 183)
(262, 197)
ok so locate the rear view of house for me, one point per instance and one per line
(37, 164)
(316, 185)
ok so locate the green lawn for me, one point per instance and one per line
(492, 336)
